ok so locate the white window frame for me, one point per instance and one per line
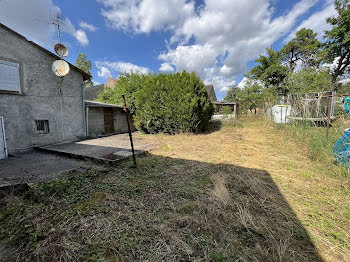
(17, 89)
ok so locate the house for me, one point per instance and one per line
(211, 93)
(111, 82)
(92, 92)
(37, 107)
(220, 104)
(105, 119)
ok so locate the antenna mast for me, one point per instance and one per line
(58, 27)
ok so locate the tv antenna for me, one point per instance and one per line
(57, 22)
(59, 67)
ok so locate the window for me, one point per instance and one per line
(42, 126)
(9, 76)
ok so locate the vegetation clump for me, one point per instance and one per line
(163, 103)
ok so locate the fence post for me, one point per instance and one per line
(130, 136)
(329, 115)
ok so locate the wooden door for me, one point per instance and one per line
(108, 120)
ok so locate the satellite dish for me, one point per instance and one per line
(61, 50)
(60, 68)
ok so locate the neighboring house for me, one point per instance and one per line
(111, 82)
(37, 107)
(91, 93)
(104, 119)
(211, 93)
(220, 104)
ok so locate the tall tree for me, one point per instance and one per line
(337, 45)
(250, 97)
(270, 71)
(309, 80)
(304, 47)
(233, 94)
(82, 63)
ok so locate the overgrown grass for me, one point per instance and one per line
(319, 147)
(240, 192)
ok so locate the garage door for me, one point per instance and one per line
(3, 150)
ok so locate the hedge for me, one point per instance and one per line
(167, 103)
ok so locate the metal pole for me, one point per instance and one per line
(285, 117)
(87, 120)
(130, 136)
(281, 113)
(328, 115)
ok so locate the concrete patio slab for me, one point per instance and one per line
(111, 148)
(33, 166)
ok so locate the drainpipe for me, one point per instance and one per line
(83, 102)
(87, 120)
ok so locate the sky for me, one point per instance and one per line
(217, 39)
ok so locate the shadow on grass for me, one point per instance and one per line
(166, 209)
(214, 126)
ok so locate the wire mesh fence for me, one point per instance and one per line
(322, 118)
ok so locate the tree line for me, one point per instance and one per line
(300, 66)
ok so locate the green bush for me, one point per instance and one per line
(167, 103)
(226, 110)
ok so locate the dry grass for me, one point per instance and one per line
(317, 191)
(242, 193)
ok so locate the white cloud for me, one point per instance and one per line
(106, 68)
(166, 67)
(316, 22)
(31, 18)
(193, 58)
(221, 83)
(226, 70)
(243, 83)
(87, 26)
(144, 16)
(216, 40)
(226, 42)
(81, 36)
(104, 72)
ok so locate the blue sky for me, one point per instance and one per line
(218, 39)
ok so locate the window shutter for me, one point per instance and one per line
(9, 76)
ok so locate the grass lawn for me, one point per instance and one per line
(243, 192)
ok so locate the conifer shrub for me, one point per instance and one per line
(163, 103)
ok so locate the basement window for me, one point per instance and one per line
(42, 126)
(9, 76)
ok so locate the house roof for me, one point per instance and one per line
(86, 76)
(100, 104)
(211, 92)
(111, 82)
(92, 92)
